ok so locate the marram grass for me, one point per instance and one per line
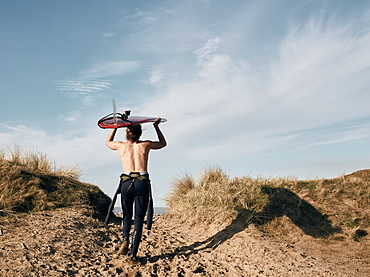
(30, 183)
(328, 205)
(213, 190)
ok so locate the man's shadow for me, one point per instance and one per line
(239, 224)
(281, 202)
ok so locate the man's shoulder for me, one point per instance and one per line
(120, 143)
(145, 141)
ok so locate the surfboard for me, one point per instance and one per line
(117, 121)
(125, 119)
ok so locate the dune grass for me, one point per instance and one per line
(30, 183)
(214, 189)
(325, 205)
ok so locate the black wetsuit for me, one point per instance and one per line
(134, 192)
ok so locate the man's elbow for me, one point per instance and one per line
(110, 145)
(162, 144)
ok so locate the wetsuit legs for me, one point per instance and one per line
(134, 191)
(126, 225)
(141, 205)
(136, 238)
(126, 202)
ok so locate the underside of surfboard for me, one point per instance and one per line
(119, 120)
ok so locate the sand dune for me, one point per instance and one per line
(69, 242)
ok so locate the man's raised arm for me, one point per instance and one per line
(161, 139)
(109, 142)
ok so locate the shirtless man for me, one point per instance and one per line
(135, 183)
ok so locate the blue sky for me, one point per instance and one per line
(260, 88)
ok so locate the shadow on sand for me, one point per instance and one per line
(284, 202)
(281, 202)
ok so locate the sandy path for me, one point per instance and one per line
(69, 242)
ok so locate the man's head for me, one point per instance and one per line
(133, 133)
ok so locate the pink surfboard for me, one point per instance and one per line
(112, 122)
(118, 120)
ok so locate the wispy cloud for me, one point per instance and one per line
(109, 69)
(219, 95)
(81, 88)
(87, 91)
(318, 56)
(71, 116)
(155, 76)
(318, 77)
(62, 147)
(108, 35)
(304, 140)
(95, 80)
(239, 85)
(206, 52)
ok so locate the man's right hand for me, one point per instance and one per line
(157, 122)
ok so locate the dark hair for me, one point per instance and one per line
(133, 133)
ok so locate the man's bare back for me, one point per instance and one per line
(134, 154)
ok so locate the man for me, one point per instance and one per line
(135, 183)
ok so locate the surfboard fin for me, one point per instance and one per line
(126, 114)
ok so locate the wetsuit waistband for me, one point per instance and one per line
(140, 172)
(142, 176)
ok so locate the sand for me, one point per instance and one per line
(69, 242)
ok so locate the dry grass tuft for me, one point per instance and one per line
(320, 208)
(29, 183)
(214, 192)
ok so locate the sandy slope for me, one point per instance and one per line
(68, 242)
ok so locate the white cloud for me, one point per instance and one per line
(87, 91)
(78, 88)
(206, 52)
(320, 56)
(71, 116)
(109, 69)
(228, 103)
(227, 109)
(95, 80)
(146, 17)
(108, 35)
(155, 76)
(76, 147)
